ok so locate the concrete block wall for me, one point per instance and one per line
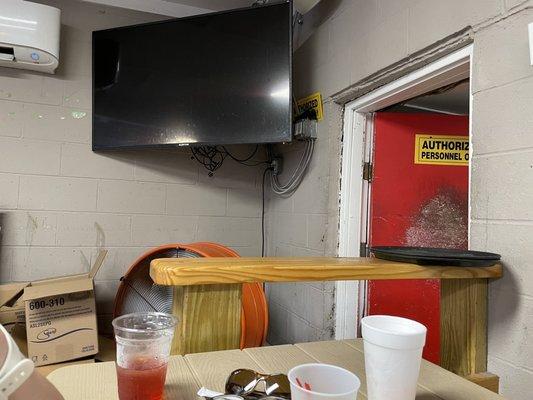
(502, 193)
(355, 38)
(60, 202)
(306, 225)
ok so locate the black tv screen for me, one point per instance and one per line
(222, 78)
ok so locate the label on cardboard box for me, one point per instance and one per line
(61, 327)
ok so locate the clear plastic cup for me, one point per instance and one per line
(393, 352)
(143, 348)
(323, 382)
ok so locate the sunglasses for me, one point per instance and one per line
(242, 382)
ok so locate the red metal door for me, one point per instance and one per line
(415, 205)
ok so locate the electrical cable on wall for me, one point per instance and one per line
(288, 188)
(212, 158)
(246, 160)
(263, 211)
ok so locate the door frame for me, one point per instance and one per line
(357, 149)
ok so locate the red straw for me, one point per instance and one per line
(305, 386)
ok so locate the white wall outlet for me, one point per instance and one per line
(530, 29)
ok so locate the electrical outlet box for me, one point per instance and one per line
(277, 165)
(306, 129)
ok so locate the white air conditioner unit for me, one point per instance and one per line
(29, 36)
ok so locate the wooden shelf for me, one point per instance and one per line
(209, 271)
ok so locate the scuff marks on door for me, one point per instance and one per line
(441, 222)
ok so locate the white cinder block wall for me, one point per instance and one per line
(306, 225)
(356, 38)
(60, 202)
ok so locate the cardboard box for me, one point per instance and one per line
(60, 316)
(18, 332)
(12, 311)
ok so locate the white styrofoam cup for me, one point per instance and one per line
(323, 382)
(393, 352)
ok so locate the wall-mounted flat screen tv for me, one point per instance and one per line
(214, 79)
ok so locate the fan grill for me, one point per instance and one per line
(139, 291)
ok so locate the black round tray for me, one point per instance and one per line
(433, 256)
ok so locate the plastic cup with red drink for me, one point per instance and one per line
(143, 348)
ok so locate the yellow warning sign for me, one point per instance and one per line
(441, 150)
(313, 101)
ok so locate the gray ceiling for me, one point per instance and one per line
(215, 5)
(453, 101)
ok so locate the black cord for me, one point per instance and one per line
(243, 160)
(209, 156)
(263, 212)
(212, 157)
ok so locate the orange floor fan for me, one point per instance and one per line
(137, 292)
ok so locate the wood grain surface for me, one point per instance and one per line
(186, 374)
(487, 380)
(209, 318)
(463, 320)
(208, 271)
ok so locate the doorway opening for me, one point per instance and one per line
(419, 197)
(437, 95)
